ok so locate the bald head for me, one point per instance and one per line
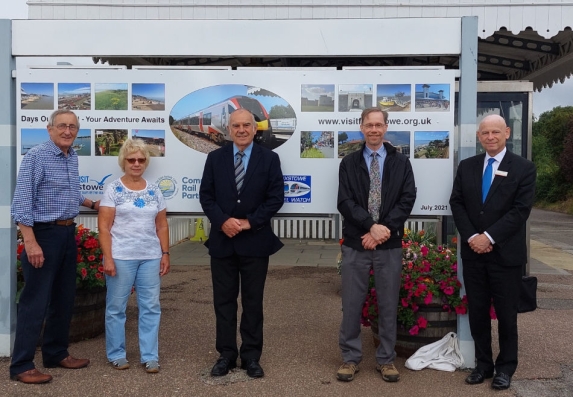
(493, 133)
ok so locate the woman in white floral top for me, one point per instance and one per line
(134, 237)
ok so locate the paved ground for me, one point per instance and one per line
(302, 315)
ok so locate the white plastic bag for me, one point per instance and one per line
(443, 355)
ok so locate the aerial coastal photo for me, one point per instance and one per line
(147, 96)
(37, 96)
(74, 96)
(155, 140)
(431, 144)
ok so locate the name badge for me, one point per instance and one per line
(501, 173)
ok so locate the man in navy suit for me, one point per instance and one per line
(491, 201)
(241, 190)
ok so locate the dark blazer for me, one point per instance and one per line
(261, 197)
(505, 211)
(398, 197)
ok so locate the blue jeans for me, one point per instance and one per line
(144, 275)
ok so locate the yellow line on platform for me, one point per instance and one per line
(551, 256)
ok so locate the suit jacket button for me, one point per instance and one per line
(481, 212)
(238, 201)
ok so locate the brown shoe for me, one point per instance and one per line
(389, 372)
(346, 372)
(32, 376)
(74, 363)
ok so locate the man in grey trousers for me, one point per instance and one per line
(376, 194)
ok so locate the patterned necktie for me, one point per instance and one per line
(239, 170)
(487, 177)
(375, 192)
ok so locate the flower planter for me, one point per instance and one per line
(88, 319)
(440, 322)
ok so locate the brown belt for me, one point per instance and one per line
(64, 222)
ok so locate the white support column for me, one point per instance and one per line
(466, 148)
(7, 181)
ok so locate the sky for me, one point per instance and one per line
(547, 99)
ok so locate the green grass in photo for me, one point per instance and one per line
(111, 100)
(311, 153)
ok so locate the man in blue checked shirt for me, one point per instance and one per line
(46, 201)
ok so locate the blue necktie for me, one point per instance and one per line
(487, 177)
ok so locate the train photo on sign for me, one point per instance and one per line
(212, 121)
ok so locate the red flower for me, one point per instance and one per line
(422, 322)
(404, 302)
(91, 258)
(449, 290)
(424, 250)
(84, 272)
(414, 330)
(461, 309)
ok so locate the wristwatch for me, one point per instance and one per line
(93, 205)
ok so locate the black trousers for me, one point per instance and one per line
(229, 274)
(485, 281)
(48, 294)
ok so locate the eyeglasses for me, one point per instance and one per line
(63, 127)
(132, 161)
(378, 126)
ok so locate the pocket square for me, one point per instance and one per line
(501, 173)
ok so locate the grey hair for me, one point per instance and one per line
(132, 146)
(58, 112)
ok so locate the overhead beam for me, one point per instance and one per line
(521, 43)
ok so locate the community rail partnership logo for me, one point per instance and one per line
(168, 186)
(91, 185)
(297, 188)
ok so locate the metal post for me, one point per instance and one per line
(8, 181)
(467, 148)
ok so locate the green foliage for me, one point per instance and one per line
(342, 137)
(111, 100)
(282, 112)
(550, 154)
(312, 153)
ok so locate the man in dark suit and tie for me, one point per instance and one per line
(241, 190)
(491, 201)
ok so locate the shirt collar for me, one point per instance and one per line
(498, 157)
(380, 151)
(51, 146)
(247, 150)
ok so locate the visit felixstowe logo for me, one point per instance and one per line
(297, 188)
(89, 185)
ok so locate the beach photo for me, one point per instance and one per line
(83, 142)
(354, 97)
(432, 97)
(147, 96)
(200, 120)
(431, 144)
(317, 97)
(394, 97)
(317, 144)
(155, 140)
(31, 137)
(110, 96)
(349, 141)
(74, 96)
(108, 142)
(37, 96)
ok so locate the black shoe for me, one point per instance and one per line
(478, 376)
(254, 369)
(501, 381)
(223, 366)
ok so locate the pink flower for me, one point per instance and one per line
(422, 322)
(428, 298)
(404, 302)
(449, 290)
(414, 330)
(424, 250)
(84, 272)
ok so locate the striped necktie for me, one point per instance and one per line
(375, 192)
(239, 170)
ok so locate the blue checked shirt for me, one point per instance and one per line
(48, 186)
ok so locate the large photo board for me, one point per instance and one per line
(311, 119)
